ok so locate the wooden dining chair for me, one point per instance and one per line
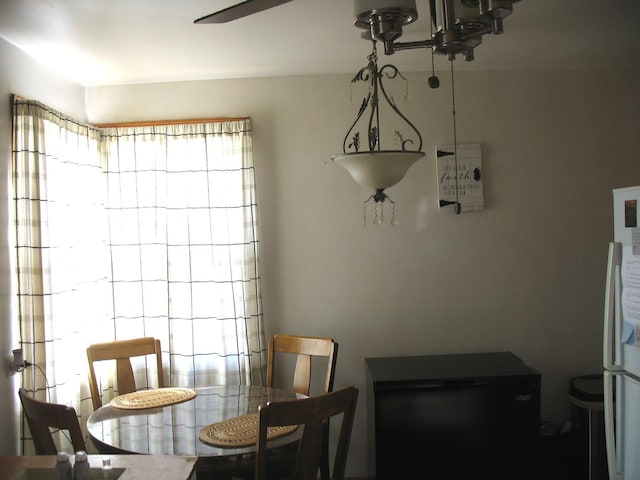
(304, 349)
(311, 414)
(42, 416)
(121, 351)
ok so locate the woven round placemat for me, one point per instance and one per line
(158, 397)
(239, 431)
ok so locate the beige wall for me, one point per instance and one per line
(525, 274)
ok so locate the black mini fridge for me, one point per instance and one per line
(460, 416)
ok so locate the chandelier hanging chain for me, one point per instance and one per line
(456, 207)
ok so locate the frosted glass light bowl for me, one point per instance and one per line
(377, 170)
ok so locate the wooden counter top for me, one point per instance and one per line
(139, 467)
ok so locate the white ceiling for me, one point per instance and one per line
(107, 42)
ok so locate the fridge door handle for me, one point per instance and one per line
(611, 307)
(609, 428)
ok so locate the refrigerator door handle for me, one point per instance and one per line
(612, 308)
(609, 428)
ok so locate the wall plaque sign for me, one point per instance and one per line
(460, 180)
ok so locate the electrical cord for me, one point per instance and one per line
(44, 375)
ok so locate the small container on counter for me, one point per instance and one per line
(63, 468)
(81, 467)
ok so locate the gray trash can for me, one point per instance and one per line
(588, 451)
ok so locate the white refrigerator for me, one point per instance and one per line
(621, 339)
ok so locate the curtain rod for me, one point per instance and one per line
(151, 123)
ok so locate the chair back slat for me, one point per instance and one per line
(124, 376)
(302, 375)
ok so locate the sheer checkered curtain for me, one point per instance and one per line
(61, 267)
(134, 231)
(184, 247)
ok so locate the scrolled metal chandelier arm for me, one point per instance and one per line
(365, 74)
(375, 77)
(355, 144)
(374, 114)
(392, 104)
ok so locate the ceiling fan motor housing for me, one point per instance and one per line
(385, 19)
(459, 24)
(497, 10)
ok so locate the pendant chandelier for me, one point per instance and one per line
(457, 27)
(363, 155)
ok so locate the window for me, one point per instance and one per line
(135, 231)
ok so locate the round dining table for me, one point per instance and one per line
(174, 429)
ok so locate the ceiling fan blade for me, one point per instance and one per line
(240, 10)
